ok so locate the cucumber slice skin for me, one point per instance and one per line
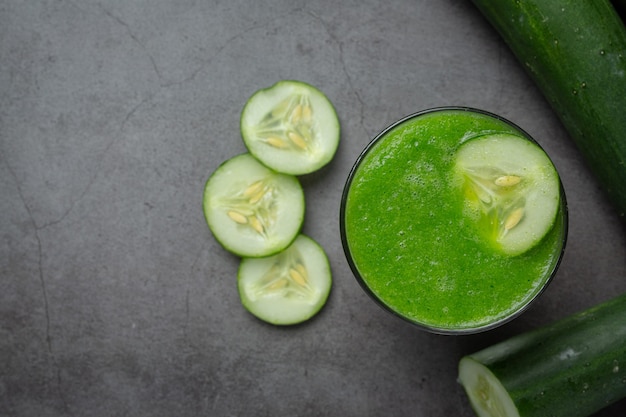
(571, 368)
(278, 308)
(290, 161)
(575, 51)
(250, 245)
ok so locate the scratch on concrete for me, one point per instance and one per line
(54, 367)
(86, 189)
(40, 269)
(354, 90)
(344, 68)
(39, 227)
(128, 116)
(134, 37)
(42, 280)
(162, 80)
(220, 49)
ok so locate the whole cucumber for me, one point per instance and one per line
(571, 368)
(575, 51)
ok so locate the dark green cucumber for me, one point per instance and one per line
(572, 368)
(575, 51)
(620, 7)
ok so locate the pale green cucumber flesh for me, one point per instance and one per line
(289, 287)
(252, 210)
(291, 127)
(511, 189)
(486, 394)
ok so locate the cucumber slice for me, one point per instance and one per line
(291, 127)
(512, 190)
(287, 288)
(252, 210)
(487, 396)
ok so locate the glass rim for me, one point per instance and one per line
(563, 209)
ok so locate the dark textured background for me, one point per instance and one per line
(115, 300)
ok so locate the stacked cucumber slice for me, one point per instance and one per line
(254, 204)
(289, 287)
(251, 209)
(291, 127)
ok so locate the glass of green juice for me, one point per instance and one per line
(454, 219)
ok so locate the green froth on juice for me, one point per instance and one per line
(412, 241)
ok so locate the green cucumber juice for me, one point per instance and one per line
(454, 219)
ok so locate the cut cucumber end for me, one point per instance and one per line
(251, 210)
(291, 127)
(487, 395)
(511, 189)
(289, 287)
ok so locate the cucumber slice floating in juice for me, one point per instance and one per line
(291, 127)
(289, 287)
(252, 210)
(512, 190)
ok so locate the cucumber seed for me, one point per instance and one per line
(297, 277)
(297, 140)
(237, 217)
(276, 142)
(514, 218)
(507, 180)
(256, 224)
(253, 188)
(296, 114)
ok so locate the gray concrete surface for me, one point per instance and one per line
(115, 299)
